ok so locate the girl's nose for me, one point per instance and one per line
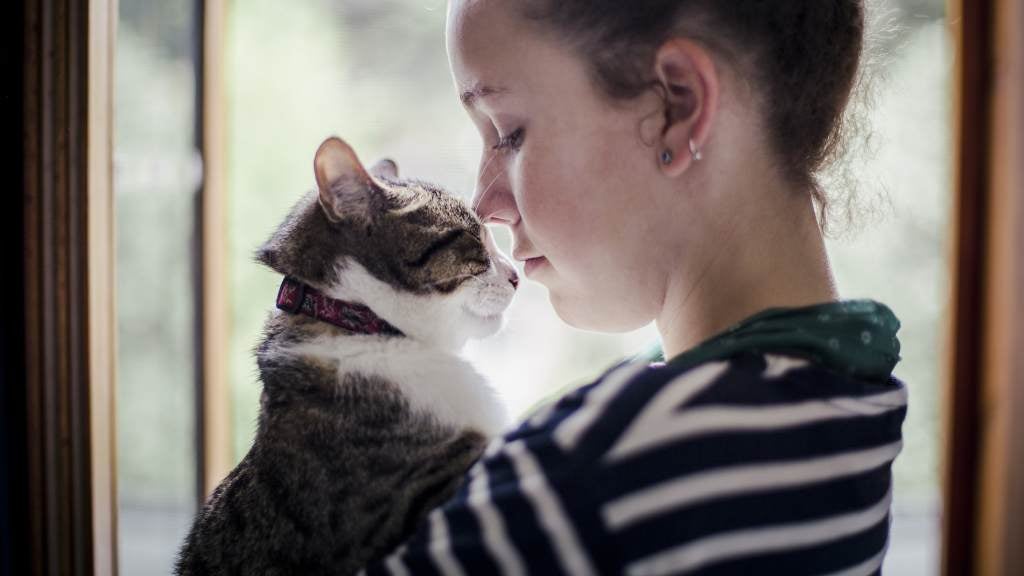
(493, 202)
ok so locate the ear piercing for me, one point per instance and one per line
(666, 154)
(694, 152)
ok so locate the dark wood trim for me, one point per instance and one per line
(59, 531)
(14, 510)
(999, 538)
(972, 23)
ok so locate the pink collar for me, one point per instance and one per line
(296, 297)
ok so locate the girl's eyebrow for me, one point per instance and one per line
(470, 96)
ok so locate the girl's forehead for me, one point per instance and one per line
(482, 51)
(472, 23)
(493, 50)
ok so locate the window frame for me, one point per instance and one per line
(215, 415)
(69, 520)
(65, 430)
(983, 496)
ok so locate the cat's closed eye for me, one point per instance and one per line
(446, 241)
(435, 247)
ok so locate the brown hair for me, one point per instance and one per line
(803, 57)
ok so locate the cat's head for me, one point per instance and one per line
(415, 254)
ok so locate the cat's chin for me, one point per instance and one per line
(485, 325)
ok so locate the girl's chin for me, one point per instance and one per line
(593, 316)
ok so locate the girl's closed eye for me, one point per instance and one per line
(511, 142)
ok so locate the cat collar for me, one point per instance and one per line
(296, 297)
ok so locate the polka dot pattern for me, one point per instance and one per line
(857, 337)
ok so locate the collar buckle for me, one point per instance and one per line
(291, 295)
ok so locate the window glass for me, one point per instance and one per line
(157, 174)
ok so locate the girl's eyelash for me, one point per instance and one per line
(512, 141)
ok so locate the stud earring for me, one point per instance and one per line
(666, 157)
(694, 151)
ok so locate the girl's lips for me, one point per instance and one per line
(532, 264)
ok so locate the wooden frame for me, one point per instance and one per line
(999, 541)
(983, 520)
(102, 325)
(215, 394)
(970, 20)
(14, 509)
(68, 271)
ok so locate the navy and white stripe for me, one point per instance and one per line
(756, 464)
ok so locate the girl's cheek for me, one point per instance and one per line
(554, 187)
(530, 188)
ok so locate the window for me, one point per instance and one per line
(157, 179)
(122, 213)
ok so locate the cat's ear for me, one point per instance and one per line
(346, 189)
(385, 168)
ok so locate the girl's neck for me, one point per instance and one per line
(772, 256)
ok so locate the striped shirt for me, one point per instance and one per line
(759, 464)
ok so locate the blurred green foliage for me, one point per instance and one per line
(156, 180)
(155, 207)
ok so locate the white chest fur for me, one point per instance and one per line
(433, 380)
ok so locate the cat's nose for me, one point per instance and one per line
(514, 279)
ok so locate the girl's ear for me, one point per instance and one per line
(689, 80)
(345, 187)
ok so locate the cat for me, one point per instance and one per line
(368, 416)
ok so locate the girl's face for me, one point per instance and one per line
(574, 175)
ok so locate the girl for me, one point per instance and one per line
(657, 160)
